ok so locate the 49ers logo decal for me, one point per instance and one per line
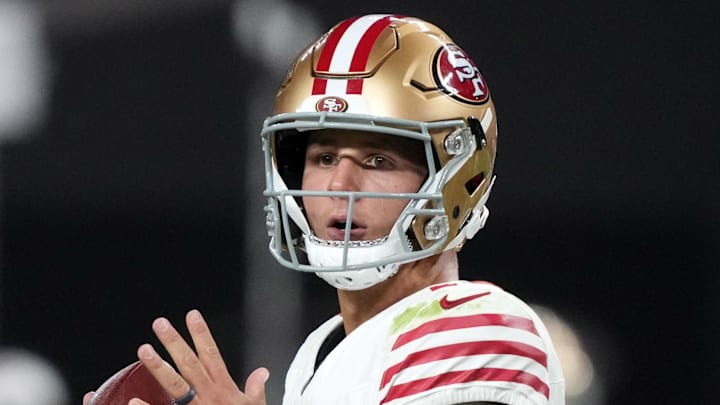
(331, 104)
(456, 74)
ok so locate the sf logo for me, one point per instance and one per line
(331, 104)
(466, 70)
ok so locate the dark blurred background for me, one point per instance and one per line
(134, 188)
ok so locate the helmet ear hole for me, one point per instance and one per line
(474, 183)
(456, 212)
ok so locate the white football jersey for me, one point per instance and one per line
(446, 344)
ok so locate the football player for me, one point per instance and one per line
(379, 163)
(379, 160)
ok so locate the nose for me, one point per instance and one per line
(346, 176)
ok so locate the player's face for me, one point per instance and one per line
(342, 160)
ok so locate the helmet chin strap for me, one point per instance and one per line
(324, 253)
(353, 280)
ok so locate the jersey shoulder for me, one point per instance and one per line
(454, 299)
(462, 342)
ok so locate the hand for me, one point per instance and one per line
(203, 369)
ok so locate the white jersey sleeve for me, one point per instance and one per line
(446, 344)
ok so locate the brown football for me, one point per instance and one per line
(133, 381)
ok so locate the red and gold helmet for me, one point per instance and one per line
(393, 75)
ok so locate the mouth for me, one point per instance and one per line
(342, 225)
(337, 225)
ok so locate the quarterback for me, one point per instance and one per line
(379, 159)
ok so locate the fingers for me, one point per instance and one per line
(255, 384)
(205, 346)
(87, 397)
(182, 354)
(201, 367)
(168, 378)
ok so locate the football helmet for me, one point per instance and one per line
(392, 75)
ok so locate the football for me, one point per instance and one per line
(133, 381)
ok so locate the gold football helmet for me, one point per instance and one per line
(393, 75)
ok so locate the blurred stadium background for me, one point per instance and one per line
(131, 180)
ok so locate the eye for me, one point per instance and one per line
(326, 159)
(379, 162)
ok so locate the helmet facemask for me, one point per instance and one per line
(347, 263)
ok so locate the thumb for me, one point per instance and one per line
(255, 384)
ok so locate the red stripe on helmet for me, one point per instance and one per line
(362, 53)
(319, 85)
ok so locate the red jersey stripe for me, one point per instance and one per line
(467, 376)
(499, 347)
(362, 53)
(439, 286)
(461, 322)
(319, 85)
